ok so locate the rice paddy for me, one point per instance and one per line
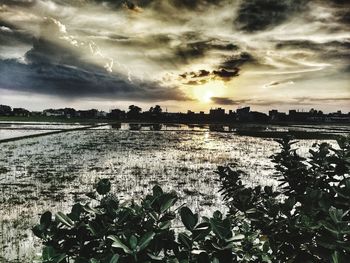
(51, 172)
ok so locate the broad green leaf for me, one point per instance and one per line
(164, 225)
(38, 231)
(154, 257)
(201, 231)
(119, 244)
(145, 240)
(133, 242)
(46, 219)
(157, 191)
(59, 258)
(92, 210)
(114, 259)
(185, 240)
(76, 212)
(188, 218)
(64, 219)
(221, 228)
(49, 254)
(103, 186)
(167, 202)
(235, 238)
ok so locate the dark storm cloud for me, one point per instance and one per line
(195, 4)
(311, 45)
(22, 3)
(236, 61)
(193, 49)
(128, 3)
(199, 74)
(345, 17)
(10, 35)
(180, 4)
(225, 71)
(189, 45)
(255, 15)
(73, 82)
(268, 102)
(326, 99)
(226, 74)
(223, 101)
(59, 67)
(203, 76)
(335, 50)
(341, 2)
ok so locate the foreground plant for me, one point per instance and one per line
(111, 232)
(307, 218)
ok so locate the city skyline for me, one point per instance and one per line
(197, 55)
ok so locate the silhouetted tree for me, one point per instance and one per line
(156, 110)
(134, 112)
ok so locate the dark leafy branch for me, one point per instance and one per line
(307, 218)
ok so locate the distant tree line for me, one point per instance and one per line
(157, 114)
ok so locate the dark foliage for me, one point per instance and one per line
(110, 232)
(307, 218)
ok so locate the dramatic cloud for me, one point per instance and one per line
(254, 15)
(56, 66)
(202, 52)
(226, 70)
(73, 82)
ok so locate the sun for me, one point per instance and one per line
(207, 97)
(204, 93)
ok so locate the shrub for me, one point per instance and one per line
(111, 232)
(307, 218)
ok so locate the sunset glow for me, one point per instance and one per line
(180, 54)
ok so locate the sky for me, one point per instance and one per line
(180, 54)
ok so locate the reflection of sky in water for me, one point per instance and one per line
(49, 173)
(10, 129)
(8, 134)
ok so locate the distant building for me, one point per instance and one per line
(243, 114)
(53, 113)
(217, 114)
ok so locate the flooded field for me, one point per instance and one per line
(51, 172)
